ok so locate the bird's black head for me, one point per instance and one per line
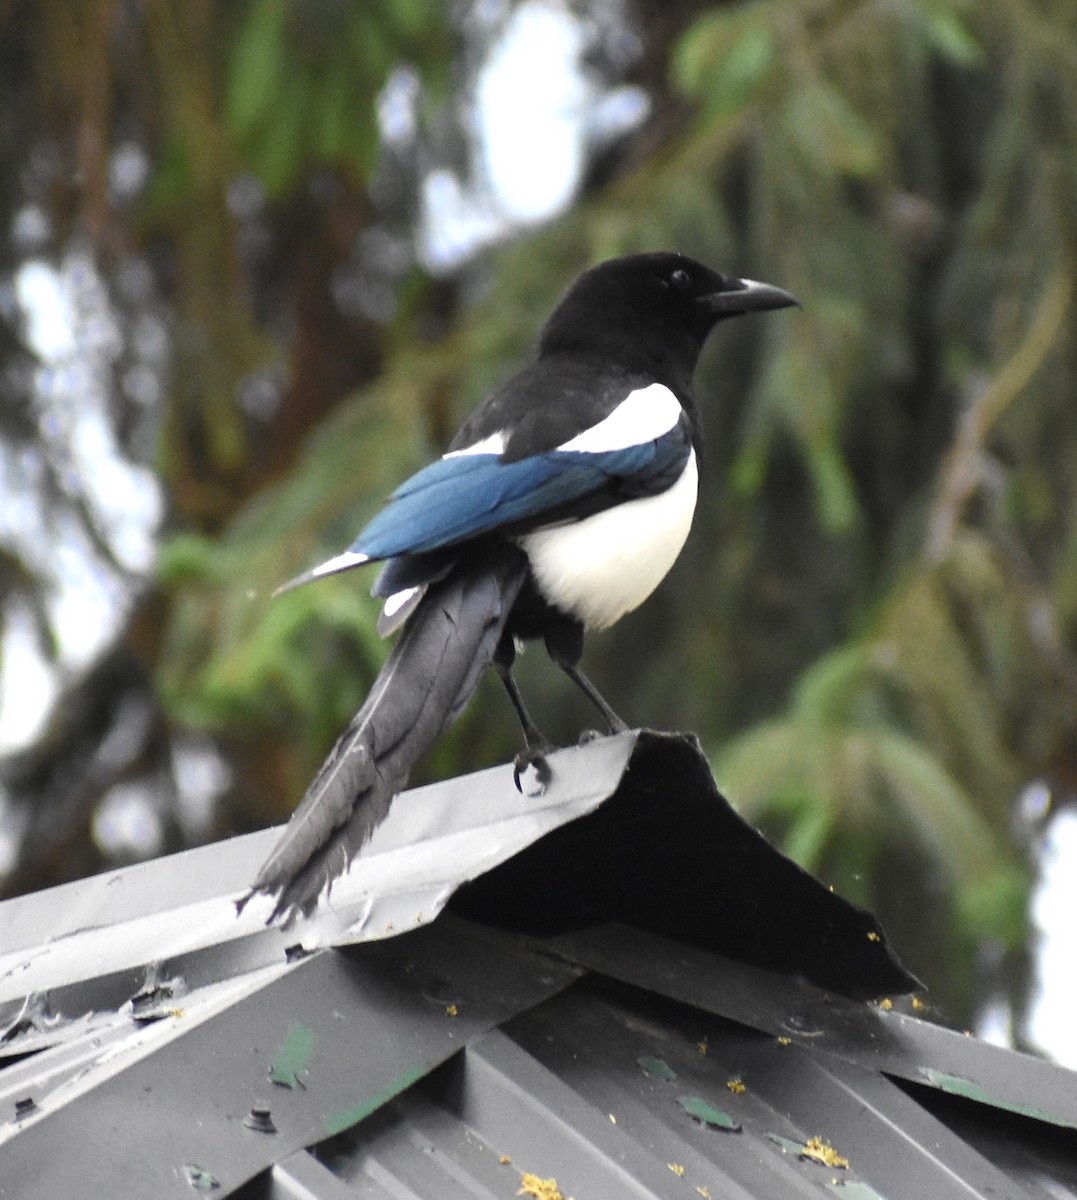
(651, 305)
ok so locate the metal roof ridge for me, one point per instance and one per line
(434, 839)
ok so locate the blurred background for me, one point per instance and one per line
(257, 260)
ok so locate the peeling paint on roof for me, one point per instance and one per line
(957, 1086)
(291, 1060)
(706, 1114)
(656, 1068)
(345, 1118)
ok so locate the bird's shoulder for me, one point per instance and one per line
(557, 399)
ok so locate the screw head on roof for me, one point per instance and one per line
(259, 1120)
(441, 991)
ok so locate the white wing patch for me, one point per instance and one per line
(494, 444)
(339, 562)
(642, 416)
(399, 606)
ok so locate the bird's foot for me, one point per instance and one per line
(532, 760)
(588, 735)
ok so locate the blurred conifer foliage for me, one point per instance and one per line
(872, 627)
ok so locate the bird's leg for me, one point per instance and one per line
(564, 644)
(613, 721)
(538, 746)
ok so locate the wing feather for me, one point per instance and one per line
(460, 497)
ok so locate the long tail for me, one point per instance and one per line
(425, 683)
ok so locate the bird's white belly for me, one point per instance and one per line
(606, 565)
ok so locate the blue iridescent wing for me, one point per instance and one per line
(463, 496)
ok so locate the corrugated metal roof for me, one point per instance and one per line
(605, 1089)
(586, 1014)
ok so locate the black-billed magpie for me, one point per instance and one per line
(559, 507)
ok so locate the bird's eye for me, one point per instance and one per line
(681, 279)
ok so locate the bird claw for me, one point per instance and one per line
(588, 735)
(536, 760)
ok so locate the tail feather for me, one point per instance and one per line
(427, 680)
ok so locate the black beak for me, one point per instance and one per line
(747, 295)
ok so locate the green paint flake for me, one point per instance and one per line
(787, 1144)
(656, 1068)
(707, 1114)
(199, 1178)
(970, 1090)
(292, 1058)
(345, 1118)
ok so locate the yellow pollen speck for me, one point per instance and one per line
(504, 1159)
(918, 1004)
(886, 1004)
(676, 1168)
(873, 936)
(702, 1046)
(702, 1191)
(613, 1119)
(784, 1041)
(736, 1086)
(451, 1010)
(821, 1151)
(538, 1188)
